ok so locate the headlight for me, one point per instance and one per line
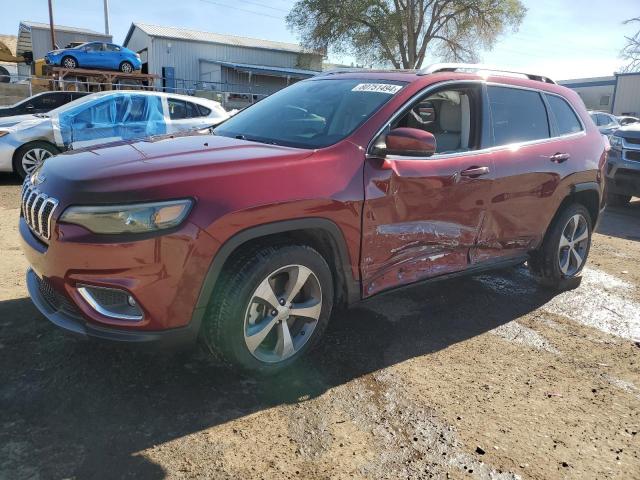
(134, 218)
(616, 142)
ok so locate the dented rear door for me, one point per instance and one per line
(422, 217)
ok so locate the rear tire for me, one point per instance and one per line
(251, 321)
(30, 155)
(558, 263)
(126, 67)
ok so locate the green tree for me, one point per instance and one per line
(402, 32)
(631, 51)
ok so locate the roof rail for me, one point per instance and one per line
(335, 71)
(479, 67)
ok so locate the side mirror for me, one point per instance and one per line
(410, 142)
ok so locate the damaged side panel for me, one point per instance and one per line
(421, 219)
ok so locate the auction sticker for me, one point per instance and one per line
(377, 88)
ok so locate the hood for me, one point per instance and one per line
(159, 167)
(629, 131)
(14, 120)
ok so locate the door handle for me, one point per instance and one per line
(560, 157)
(474, 172)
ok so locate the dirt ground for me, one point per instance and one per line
(484, 377)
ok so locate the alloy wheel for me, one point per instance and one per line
(283, 313)
(126, 68)
(69, 63)
(33, 158)
(574, 242)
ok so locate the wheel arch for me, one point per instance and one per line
(319, 233)
(67, 55)
(17, 151)
(588, 194)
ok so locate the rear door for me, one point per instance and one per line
(423, 215)
(184, 116)
(531, 156)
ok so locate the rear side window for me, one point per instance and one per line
(566, 118)
(517, 115)
(204, 111)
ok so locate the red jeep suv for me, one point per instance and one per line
(330, 191)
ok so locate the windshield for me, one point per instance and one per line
(312, 113)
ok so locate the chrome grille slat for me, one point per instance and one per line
(37, 210)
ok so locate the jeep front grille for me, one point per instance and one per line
(37, 210)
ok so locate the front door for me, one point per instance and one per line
(423, 216)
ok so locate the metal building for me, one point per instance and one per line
(36, 38)
(626, 97)
(619, 94)
(194, 60)
(596, 93)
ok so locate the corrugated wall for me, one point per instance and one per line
(185, 56)
(41, 40)
(627, 96)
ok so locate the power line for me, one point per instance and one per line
(242, 9)
(265, 6)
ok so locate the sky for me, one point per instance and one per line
(559, 38)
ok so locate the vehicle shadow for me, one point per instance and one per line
(622, 222)
(9, 179)
(81, 409)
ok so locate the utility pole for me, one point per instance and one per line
(106, 17)
(53, 33)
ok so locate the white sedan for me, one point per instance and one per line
(101, 118)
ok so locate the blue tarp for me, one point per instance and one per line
(121, 116)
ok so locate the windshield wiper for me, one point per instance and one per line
(249, 139)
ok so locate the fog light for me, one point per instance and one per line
(111, 302)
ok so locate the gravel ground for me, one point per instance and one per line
(483, 377)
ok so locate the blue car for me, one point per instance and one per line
(104, 56)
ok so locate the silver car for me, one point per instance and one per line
(100, 118)
(606, 123)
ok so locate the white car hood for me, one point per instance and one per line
(14, 120)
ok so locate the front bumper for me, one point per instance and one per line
(7, 150)
(63, 314)
(163, 273)
(623, 172)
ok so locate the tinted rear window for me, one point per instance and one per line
(517, 115)
(566, 118)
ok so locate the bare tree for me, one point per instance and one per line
(403, 32)
(631, 51)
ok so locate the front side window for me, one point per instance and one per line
(93, 47)
(314, 113)
(566, 118)
(451, 115)
(517, 115)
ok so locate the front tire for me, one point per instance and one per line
(69, 62)
(560, 260)
(31, 155)
(272, 305)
